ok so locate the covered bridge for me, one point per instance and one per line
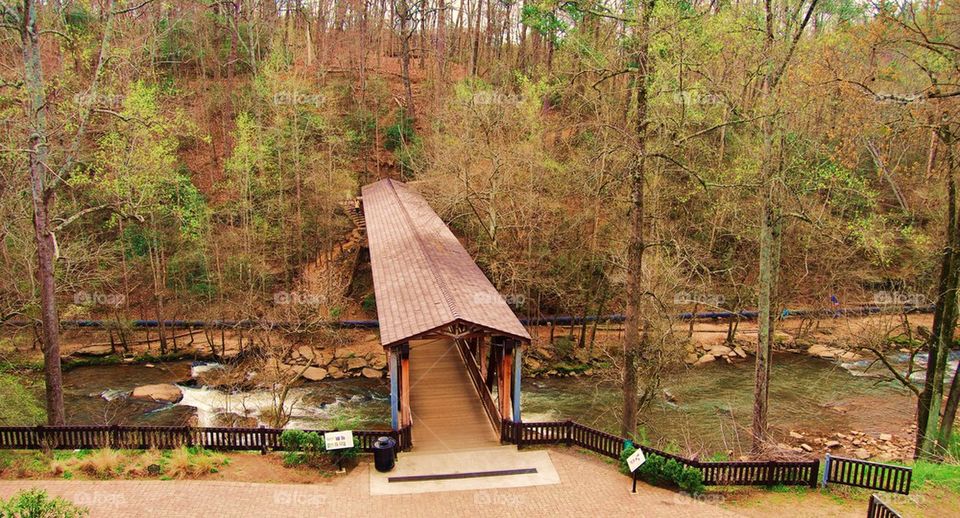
(453, 344)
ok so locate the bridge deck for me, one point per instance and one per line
(447, 413)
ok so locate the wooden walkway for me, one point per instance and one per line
(447, 413)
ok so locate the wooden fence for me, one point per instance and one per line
(879, 509)
(767, 473)
(168, 437)
(868, 475)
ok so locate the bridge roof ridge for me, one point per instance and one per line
(424, 279)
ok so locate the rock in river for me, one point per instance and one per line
(371, 373)
(314, 373)
(94, 350)
(163, 392)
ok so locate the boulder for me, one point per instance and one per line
(806, 447)
(343, 352)
(533, 363)
(95, 350)
(314, 373)
(740, 352)
(379, 361)
(162, 392)
(832, 444)
(885, 437)
(691, 358)
(861, 454)
(849, 356)
(356, 363)
(706, 358)
(306, 352)
(817, 350)
(796, 435)
(367, 372)
(721, 350)
(336, 373)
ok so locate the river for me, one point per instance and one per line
(705, 409)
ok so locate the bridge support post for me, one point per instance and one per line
(517, 373)
(393, 360)
(504, 375)
(406, 414)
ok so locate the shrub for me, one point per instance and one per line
(309, 448)
(658, 470)
(35, 503)
(187, 462)
(101, 464)
(301, 447)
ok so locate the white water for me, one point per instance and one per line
(210, 403)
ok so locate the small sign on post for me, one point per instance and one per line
(340, 440)
(634, 461)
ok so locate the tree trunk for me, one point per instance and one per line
(43, 200)
(634, 335)
(941, 338)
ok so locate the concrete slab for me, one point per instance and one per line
(478, 462)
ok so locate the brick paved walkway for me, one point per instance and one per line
(589, 487)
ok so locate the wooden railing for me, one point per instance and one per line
(768, 473)
(168, 437)
(486, 399)
(879, 509)
(868, 475)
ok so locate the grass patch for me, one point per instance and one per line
(946, 476)
(109, 464)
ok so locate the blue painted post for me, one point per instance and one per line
(394, 391)
(826, 472)
(517, 374)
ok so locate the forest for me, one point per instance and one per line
(200, 160)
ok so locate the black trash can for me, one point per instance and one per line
(384, 454)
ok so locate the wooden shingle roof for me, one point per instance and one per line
(423, 278)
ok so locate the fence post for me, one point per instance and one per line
(826, 471)
(41, 438)
(114, 437)
(189, 436)
(814, 471)
(518, 434)
(569, 435)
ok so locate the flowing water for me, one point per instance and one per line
(708, 409)
(101, 395)
(705, 409)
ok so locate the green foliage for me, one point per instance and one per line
(18, 406)
(301, 447)
(658, 470)
(35, 503)
(564, 346)
(400, 134)
(543, 19)
(369, 303)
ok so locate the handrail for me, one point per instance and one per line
(473, 370)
